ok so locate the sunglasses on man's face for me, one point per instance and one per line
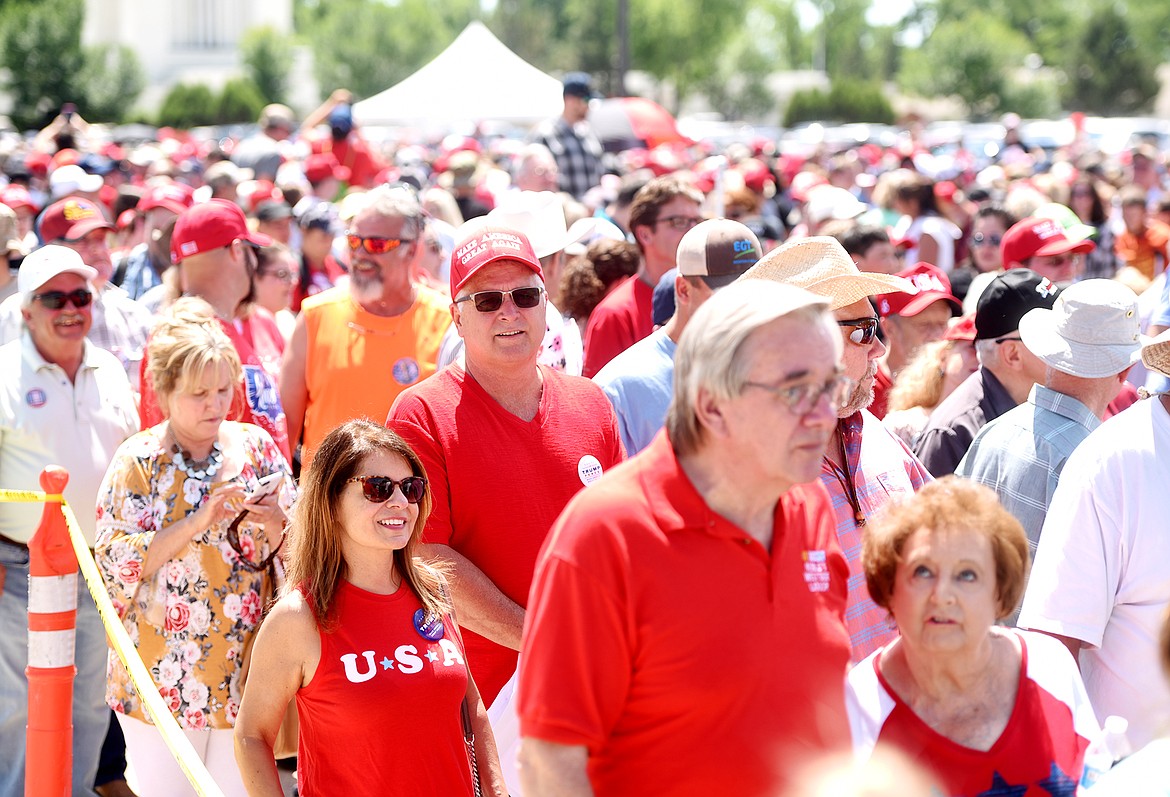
(491, 301)
(374, 245)
(379, 489)
(865, 330)
(55, 300)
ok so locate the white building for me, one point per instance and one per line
(183, 41)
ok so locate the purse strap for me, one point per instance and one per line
(469, 739)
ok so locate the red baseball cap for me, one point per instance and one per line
(211, 225)
(71, 219)
(323, 165)
(1034, 237)
(933, 286)
(174, 197)
(16, 197)
(962, 329)
(488, 245)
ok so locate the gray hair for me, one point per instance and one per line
(398, 201)
(711, 352)
(988, 352)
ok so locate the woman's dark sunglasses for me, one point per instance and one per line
(490, 301)
(379, 489)
(865, 330)
(55, 300)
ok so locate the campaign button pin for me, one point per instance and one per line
(428, 627)
(35, 397)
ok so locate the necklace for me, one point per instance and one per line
(845, 478)
(201, 469)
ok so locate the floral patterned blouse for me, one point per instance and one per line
(191, 619)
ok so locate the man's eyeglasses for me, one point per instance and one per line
(490, 301)
(380, 489)
(682, 223)
(55, 300)
(979, 239)
(801, 399)
(865, 330)
(374, 244)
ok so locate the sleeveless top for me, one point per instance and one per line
(382, 713)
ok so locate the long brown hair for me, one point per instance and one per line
(315, 564)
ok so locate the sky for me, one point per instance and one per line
(881, 12)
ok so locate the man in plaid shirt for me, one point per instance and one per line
(865, 466)
(571, 141)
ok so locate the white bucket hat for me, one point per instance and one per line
(1092, 330)
(537, 214)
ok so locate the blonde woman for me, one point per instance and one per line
(187, 571)
(364, 640)
(932, 375)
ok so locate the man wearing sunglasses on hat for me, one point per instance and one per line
(500, 419)
(355, 347)
(120, 325)
(662, 212)
(864, 466)
(66, 401)
(685, 629)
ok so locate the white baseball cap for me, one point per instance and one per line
(46, 263)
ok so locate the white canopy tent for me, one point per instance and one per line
(475, 79)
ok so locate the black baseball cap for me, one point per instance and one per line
(1007, 298)
(580, 84)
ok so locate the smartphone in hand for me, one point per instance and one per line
(266, 486)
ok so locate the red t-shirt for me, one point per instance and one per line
(499, 482)
(623, 318)
(382, 713)
(686, 657)
(257, 401)
(1040, 752)
(882, 382)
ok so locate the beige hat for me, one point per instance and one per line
(1156, 353)
(821, 265)
(9, 233)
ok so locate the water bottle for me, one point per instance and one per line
(1106, 750)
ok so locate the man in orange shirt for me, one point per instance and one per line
(355, 348)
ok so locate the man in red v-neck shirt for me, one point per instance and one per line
(505, 442)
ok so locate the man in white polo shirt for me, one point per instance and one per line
(66, 402)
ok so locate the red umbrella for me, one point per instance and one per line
(630, 120)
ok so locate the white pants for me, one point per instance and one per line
(157, 774)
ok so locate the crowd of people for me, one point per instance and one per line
(848, 452)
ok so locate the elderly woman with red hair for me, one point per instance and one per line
(978, 705)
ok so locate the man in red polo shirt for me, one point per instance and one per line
(685, 631)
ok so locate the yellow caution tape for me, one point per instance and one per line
(30, 497)
(188, 760)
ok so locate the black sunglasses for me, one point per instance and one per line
(865, 332)
(379, 489)
(490, 301)
(233, 538)
(55, 300)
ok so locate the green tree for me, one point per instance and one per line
(110, 83)
(240, 101)
(679, 40)
(40, 50)
(188, 105)
(845, 101)
(1108, 73)
(971, 58)
(268, 58)
(367, 45)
